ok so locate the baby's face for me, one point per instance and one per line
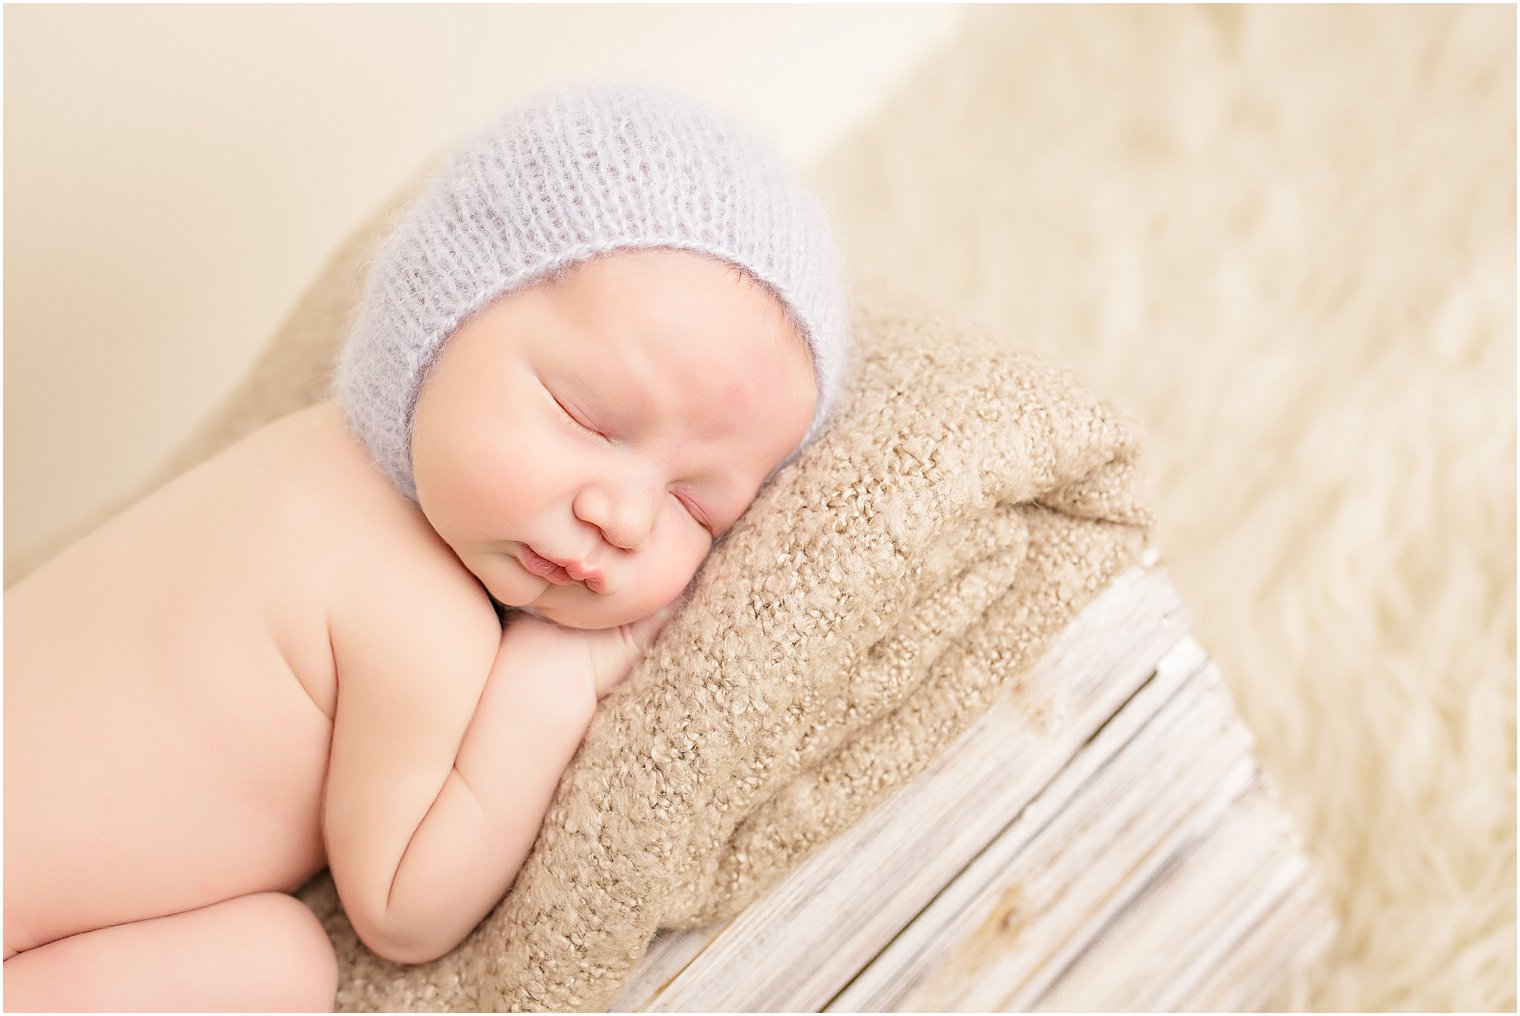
(581, 443)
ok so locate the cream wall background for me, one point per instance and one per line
(176, 174)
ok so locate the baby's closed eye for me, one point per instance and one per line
(696, 512)
(573, 417)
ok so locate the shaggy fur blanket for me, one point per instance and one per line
(1284, 236)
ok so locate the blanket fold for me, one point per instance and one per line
(884, 589)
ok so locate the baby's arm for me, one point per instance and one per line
(534, 711)
(422, 846)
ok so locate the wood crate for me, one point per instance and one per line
(1122, 851)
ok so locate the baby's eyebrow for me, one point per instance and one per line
(594, 384)
(617, 382)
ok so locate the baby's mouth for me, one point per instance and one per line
(557, 573)
(544, 568)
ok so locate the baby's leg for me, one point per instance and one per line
(264, 952)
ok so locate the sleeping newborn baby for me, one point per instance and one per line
(608, 320)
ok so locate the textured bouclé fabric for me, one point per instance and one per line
(877, 598)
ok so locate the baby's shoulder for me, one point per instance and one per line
(389, 576)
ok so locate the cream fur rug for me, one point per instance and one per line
(1285, 238)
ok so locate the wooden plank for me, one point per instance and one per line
(1053, 881)
(1209, 897)
(668, 956)
(1293, 935)
(904, 852)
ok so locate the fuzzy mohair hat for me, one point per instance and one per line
(572, 173)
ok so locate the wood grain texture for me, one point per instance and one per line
(1101, 839)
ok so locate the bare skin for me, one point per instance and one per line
(276, 663)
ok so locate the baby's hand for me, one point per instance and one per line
(607, 654)
(614, 651)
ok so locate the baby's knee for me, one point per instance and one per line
(293, 943)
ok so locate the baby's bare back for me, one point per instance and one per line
(170, 686)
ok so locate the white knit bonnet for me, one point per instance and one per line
(572, 173)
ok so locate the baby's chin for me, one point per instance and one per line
(590, 614)
(583, 619)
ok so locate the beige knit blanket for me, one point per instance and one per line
(964, 504)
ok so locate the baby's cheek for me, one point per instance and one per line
(699, 561)
(673, 570)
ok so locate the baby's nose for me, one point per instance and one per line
(624, 512)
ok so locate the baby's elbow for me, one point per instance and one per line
(408, 947)
(411, 954)
(400, 936)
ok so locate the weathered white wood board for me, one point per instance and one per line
(1102, 839)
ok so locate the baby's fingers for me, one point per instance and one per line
(622, 647)
(645, 630)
